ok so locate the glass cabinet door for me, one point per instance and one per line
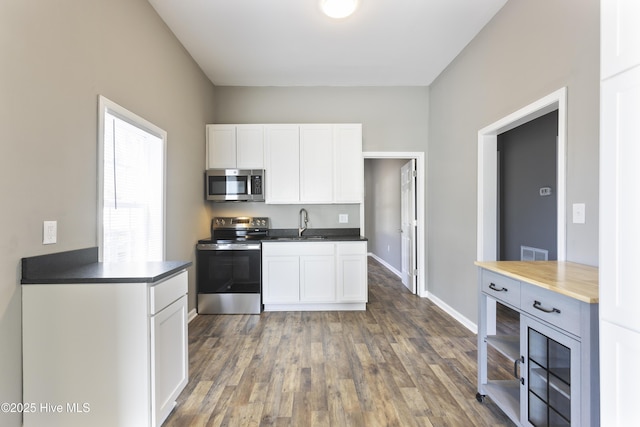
(550, 393)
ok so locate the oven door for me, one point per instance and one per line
(229, 269)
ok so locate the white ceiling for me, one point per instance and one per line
(291, 43)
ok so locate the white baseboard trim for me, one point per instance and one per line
(192, 315)
(453, 313)
(386, 264)
(437, 301)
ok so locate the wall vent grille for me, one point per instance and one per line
(527, 253)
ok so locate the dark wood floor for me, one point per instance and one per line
(402, 362)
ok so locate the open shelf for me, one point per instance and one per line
(506, 394)
(507, 345)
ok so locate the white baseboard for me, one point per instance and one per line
(192, 315)
(453, 313)
(386, 264)
(437, 301)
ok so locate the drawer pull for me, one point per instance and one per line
(495, 288)
(538, 305)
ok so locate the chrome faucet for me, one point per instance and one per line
(303, 216)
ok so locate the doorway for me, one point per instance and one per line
(369, 211)
(487, 214)
(527, 169)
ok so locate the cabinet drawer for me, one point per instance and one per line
(167, 291)
(501, 288)
(351, 248)
(556, 309)
(297, 248)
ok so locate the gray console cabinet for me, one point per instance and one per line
(554, 357)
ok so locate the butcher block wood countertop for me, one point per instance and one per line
(574, 280)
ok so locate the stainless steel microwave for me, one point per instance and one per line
(222, 185)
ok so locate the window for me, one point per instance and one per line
(131, 186)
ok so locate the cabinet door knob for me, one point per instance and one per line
(515, 368)
(538, 305)
(495, 288)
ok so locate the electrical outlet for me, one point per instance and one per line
(49, 232)
(343, 218)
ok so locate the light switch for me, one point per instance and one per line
(49, 232)
(579, 213)
(343, 218)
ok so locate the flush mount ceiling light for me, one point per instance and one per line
(338, 9)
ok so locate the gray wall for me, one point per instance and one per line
(382, 209)
(56, 57)
(528, 161)
(530, 49)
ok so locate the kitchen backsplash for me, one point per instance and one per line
(286, 216)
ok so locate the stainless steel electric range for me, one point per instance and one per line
(228, 266)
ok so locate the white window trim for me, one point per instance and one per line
(106, 105)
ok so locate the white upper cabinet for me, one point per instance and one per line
(316, 163)
(323, 165)
(620, 36)
(235, 146)
(349, 164)
(282, 164)
(221, 146)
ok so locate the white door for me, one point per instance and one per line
(408, 226)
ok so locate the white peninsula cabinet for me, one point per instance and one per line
(312, 276)
(110, 353)
(314, 163)
(235, 147)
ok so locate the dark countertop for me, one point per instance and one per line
(316, 235)
(82, 266)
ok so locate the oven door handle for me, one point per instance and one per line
(228, 247)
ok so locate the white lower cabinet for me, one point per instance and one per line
(352, 271)
(104, 354)
(314, 276)
(318, 278)
(169, 358)
(280, 275)
(619, 374)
